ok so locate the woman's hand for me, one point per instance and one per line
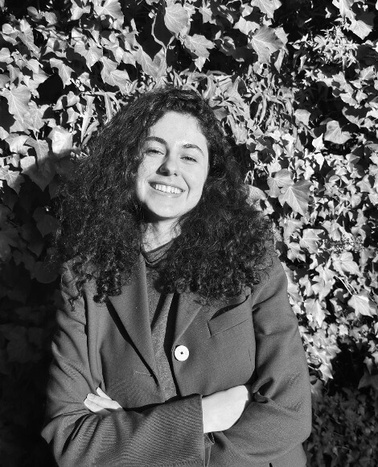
(223, 409)
(101, 403)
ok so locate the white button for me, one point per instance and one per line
(181, 353)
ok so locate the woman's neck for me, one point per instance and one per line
(158, 234)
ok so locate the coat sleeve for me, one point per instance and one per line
(278, 419)
(166, 434)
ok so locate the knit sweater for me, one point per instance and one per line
(162, 307)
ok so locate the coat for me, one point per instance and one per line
(252, 339)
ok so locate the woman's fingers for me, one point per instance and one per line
(104, 403)
(101, 393)
(93, 407)
(101, 402)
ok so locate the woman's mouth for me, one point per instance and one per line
(166, 188)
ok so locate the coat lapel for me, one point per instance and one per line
(187, 309)
(131, 307)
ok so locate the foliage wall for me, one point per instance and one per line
(294, 82)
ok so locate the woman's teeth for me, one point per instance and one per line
(167, 189)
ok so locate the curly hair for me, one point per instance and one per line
(222, 247)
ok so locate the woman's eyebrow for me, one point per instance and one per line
(192, 146)
(156, 138)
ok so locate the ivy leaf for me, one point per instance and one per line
(302, 116)
(64, 71)
(176, 18)
(16, 142)
(24, 257)
(255, 194)
(27, 162)
(362, 27)
(107, 67)
(353, 113)
(344, 6)
(16, 74)
(291, 226)
(90, 51)
(33, 238)
(39, 76)
(42, 174)
(297, 196)
(111, 75)
(46, 223)
(110, 8)
(5, 56)
(323, 282)
(368, 380)
(77, 11)
(61, 141)
(267, 6)
(156, 67)
(36, 118)
(207, 14)
(264, 42)
(45, 272)
(27, 37)
(87, 115)
(160, 64)
(41, 148)
(315, 311)
(368, 73)
(239, 130)
(362, 304)
(4, 79)
(292, 285)
(145, 61)
(199, 45)
(120, 79)
(245, 26)
(344, 263)
(13, 178)
(295, 252)
(18, 100)
(9, 33)
(335, 134)
(281, 179)
(310, 239)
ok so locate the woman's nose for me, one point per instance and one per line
(169, 165)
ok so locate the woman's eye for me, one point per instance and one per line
(153, 151)
(189, 158)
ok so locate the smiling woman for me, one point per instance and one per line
(172, 174)
(176, 344)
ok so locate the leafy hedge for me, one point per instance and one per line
(295, 82)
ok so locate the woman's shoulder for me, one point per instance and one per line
(273, 280)
(272, 267)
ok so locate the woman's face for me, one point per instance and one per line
(174, 168)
